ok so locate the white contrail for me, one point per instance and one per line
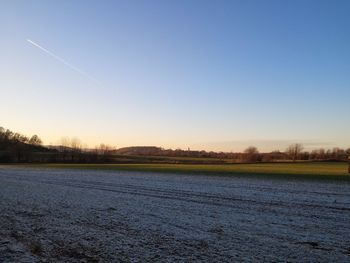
(63, 61)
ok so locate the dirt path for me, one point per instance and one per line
(89, 216)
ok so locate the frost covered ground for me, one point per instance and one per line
(99, 216)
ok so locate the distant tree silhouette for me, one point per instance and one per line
(293, 151)
(76, 149)
(348, 151)
(35, 140)
(251, 154)
(64, 147)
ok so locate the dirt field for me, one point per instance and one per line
(58, 215)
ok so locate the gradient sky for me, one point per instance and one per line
(214, 75)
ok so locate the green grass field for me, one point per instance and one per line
(305, 170)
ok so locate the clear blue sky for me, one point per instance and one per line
(214, 75)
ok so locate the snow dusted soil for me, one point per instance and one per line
(100, 216)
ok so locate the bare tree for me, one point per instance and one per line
(76, 144)
(76, 148)
(294, 151)
(64, 142)
(347, 157)
(104, 150)
(64, 147)
(35, 140)
(251, 154)
(17, 137)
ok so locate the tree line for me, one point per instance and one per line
(16, 147)
(294, 152)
